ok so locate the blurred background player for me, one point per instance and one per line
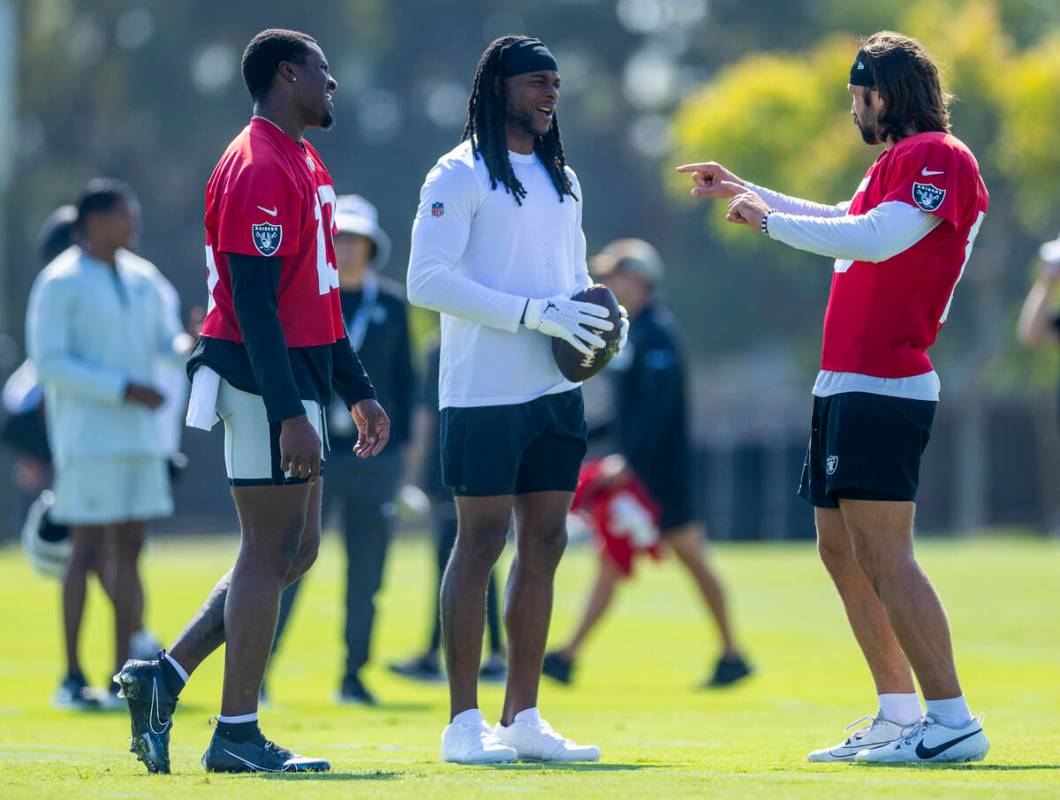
(1039, 322)
(497, 248)
(651, 427)
(1040, 317)
(900, 246)
(24, 429)
(427, 666)
(363, 492)
(96, 326)
(272, 350)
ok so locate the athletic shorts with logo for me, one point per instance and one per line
(865, 447)
(514, 449)
(107, 489)
(252, 443)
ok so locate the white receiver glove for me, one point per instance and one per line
(570, 320)
(623, 329)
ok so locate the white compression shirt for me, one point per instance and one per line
(876, 236)
(476, 257)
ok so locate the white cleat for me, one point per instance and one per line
(535, 740)
(877, 733)
(469, 739)
(930, 742)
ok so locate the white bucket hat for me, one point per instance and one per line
(354, 214)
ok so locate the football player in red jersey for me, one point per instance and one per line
(272, 351)
(900, 246)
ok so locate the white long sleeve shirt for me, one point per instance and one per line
(875, 236)
(90, 331)
(476, 257)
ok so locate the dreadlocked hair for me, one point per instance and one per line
(487, 112)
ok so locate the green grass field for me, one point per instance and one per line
(636, 694)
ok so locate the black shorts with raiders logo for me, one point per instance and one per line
(865, 447)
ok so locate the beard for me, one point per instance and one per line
(328, 122)
(869, 135)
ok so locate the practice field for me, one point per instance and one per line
(636, 694)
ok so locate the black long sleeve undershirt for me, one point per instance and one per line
(255, 284)
(348, 376)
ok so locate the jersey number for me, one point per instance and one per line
(327, 275)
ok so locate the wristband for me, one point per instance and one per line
(764, 226)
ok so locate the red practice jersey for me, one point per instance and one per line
(882, 317)
(623, 516)
(270, 196)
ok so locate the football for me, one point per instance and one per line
(577, 367)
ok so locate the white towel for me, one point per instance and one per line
(202, 404)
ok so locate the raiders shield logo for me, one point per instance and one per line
(831, 464)
(928, 196)
(267, 237)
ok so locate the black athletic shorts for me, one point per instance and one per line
(669, 482)
(514, 449)
(865, 447)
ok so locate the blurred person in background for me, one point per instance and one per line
(363, 493)
(427, 666)
(654, 443)
(24, 428)
(272, 351)
(901, 245)
(1039, 322)
(95, 328)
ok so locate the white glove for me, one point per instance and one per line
(623, 329)
(570, 320)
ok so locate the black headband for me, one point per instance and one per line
(860, 74)
(527, 55)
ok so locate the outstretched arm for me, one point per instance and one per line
(711, 179)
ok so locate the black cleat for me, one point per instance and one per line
(256, 755)
(422, 668)
(151, 709)
(728, 671)
(558, 668)
(74, 694)
(354, 692)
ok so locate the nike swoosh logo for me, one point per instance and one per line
(251, 764)
(272, 212)
(153, 715)
(925, 172)
(930, 752)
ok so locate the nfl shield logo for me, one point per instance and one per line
(437, 209)
(831, 464)
(267, 237)
(928, 196)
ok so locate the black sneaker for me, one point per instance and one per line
(558, 668)
(256, 755)
(422, 668)
(494, 670)
(728, 671)
(354, 692)
(151, 710)
(74, 694)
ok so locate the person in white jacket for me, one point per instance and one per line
(95, 329)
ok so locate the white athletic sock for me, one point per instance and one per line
(900, 708)
(238, 719)
(183, 673)
(953, 712)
